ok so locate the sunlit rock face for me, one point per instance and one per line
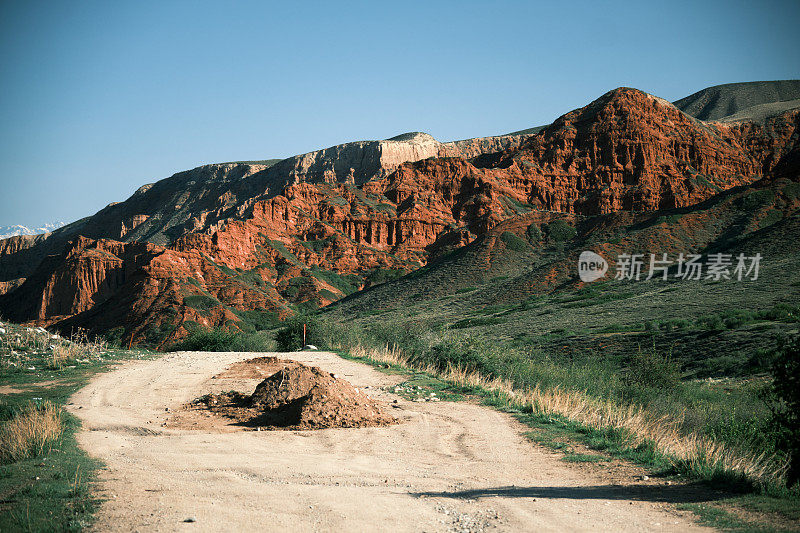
(210, 245)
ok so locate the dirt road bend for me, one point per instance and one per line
(446, 467)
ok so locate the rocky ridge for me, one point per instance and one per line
(246, 243)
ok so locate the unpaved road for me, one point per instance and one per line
(446, 467)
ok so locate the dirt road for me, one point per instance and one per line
(446, 467)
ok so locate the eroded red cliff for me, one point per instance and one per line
(250, 253)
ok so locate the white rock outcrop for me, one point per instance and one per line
(360, 161)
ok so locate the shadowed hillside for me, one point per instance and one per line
(721, 101)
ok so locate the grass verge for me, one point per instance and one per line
(558, 418)
(30, 432)
(45, 477)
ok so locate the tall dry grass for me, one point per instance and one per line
(22, 345)
(30, 432)
(62, 354)
(638, 426)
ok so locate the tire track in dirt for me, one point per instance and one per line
(446, 467)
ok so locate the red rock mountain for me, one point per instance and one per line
(245, 243)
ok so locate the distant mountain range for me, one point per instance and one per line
(243, 244)
(13, 231)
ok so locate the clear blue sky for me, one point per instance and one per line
(98, 98)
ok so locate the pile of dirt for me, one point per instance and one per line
(300, 397)
(256, 368)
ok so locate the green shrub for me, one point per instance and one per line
(382, 275)
(154, 336)
(761, 360)
(757, 199)
(773, 216)
(560, 231)
(711, 322)
(513, 242)
(468, 353)
(534, 234)
(783, 312)
(258, 320)
(222, 340)
(792, 191)
(649, 368)
(736, 318)
(317, 245)
(294, 285)
(290, 337)
(668, 219)
(786, 405)
(207, 340)
(677, 323)
(202, 302)
(114, 336)
(348, 284)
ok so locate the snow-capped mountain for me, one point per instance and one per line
(12, 231)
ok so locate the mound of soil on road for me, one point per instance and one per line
(308, 397)
(300, 397)
(256, 368)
